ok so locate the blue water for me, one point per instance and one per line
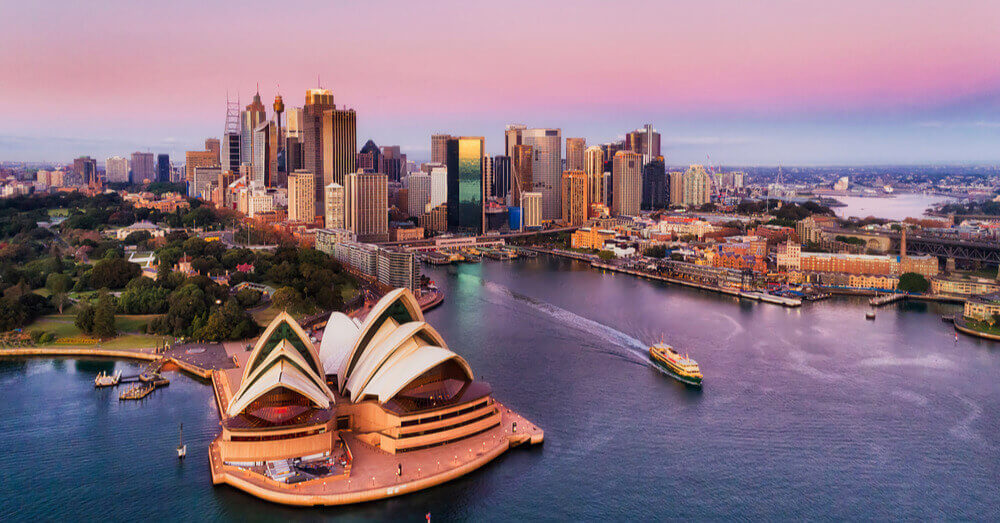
(806, 413)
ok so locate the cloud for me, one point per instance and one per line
(938, 124)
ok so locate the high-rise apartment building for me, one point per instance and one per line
(116, 169)
(340, 144)
(301, 196)
(696, 186)
(546, 168)
(419, 193)
(334, 200)
(202, 181)
(143, 167)
(487, 177)
(501, 176)
(574, 197)
(163, 167)
(593, 166)
(250, 119)
(654, 184)
(465, 184)
(676, 181)
(439, 144)
(366, 206)
(574, 153)
(626, 176)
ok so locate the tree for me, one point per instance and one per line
(60, 300)
(58, 283)
(287, 298)
(248, 297)
(137, 237)
(656, 251)
(85, 318)
(913, 282)
(113, 273)
(104, 317)
(606, 255)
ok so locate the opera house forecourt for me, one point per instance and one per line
(381, 408)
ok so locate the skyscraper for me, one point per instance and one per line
(439, 186)
(654, 184)
(532, 211)
(512, 137)
(142, 167)
(116, 169)
(574, 153)
(501, 176)
(85, 168)
(439, 144)
(250, 119)
(301, 196)
(213, 145)
(676, 181)
(419, 193)
(264, 168)
(465, 184)
(231, 151)
(522, 180)
(162, 168)
(487, 177)
(696, 186)
(195, 159)
(574, 197)
(627, 179)
(340, 144)
(393, 162)
(644, 141)
(593, 166)
(366, 206)
(334, 199)
(317, 102)
(546, 168)
(370, 158)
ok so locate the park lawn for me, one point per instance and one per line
(62, 324)
(264, 316)
(982, 326)
(348, 292)
(61, 211)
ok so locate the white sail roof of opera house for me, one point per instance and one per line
(283, 357)
(392, 347)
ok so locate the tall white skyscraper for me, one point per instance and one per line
(546, 168)
(418, 193)
(116, 169)
(439, 185)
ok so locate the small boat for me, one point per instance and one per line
(182, 449)
(870, 315)
(682, 368)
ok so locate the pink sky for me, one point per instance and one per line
(122, 69)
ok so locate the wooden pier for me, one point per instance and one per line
(139, 391)
(885, 299)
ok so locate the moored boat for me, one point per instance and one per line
(682, 368)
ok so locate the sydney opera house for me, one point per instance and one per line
(381, 407)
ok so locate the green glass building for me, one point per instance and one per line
(465, 183)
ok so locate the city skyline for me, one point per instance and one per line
(852, 83)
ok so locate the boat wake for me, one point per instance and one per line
(599, 336)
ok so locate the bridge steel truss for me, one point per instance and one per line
(982, 252)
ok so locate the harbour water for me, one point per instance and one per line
(898, 207)
(811, 413)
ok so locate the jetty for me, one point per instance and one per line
(107, 380)
(141, 390)
(885, 299)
